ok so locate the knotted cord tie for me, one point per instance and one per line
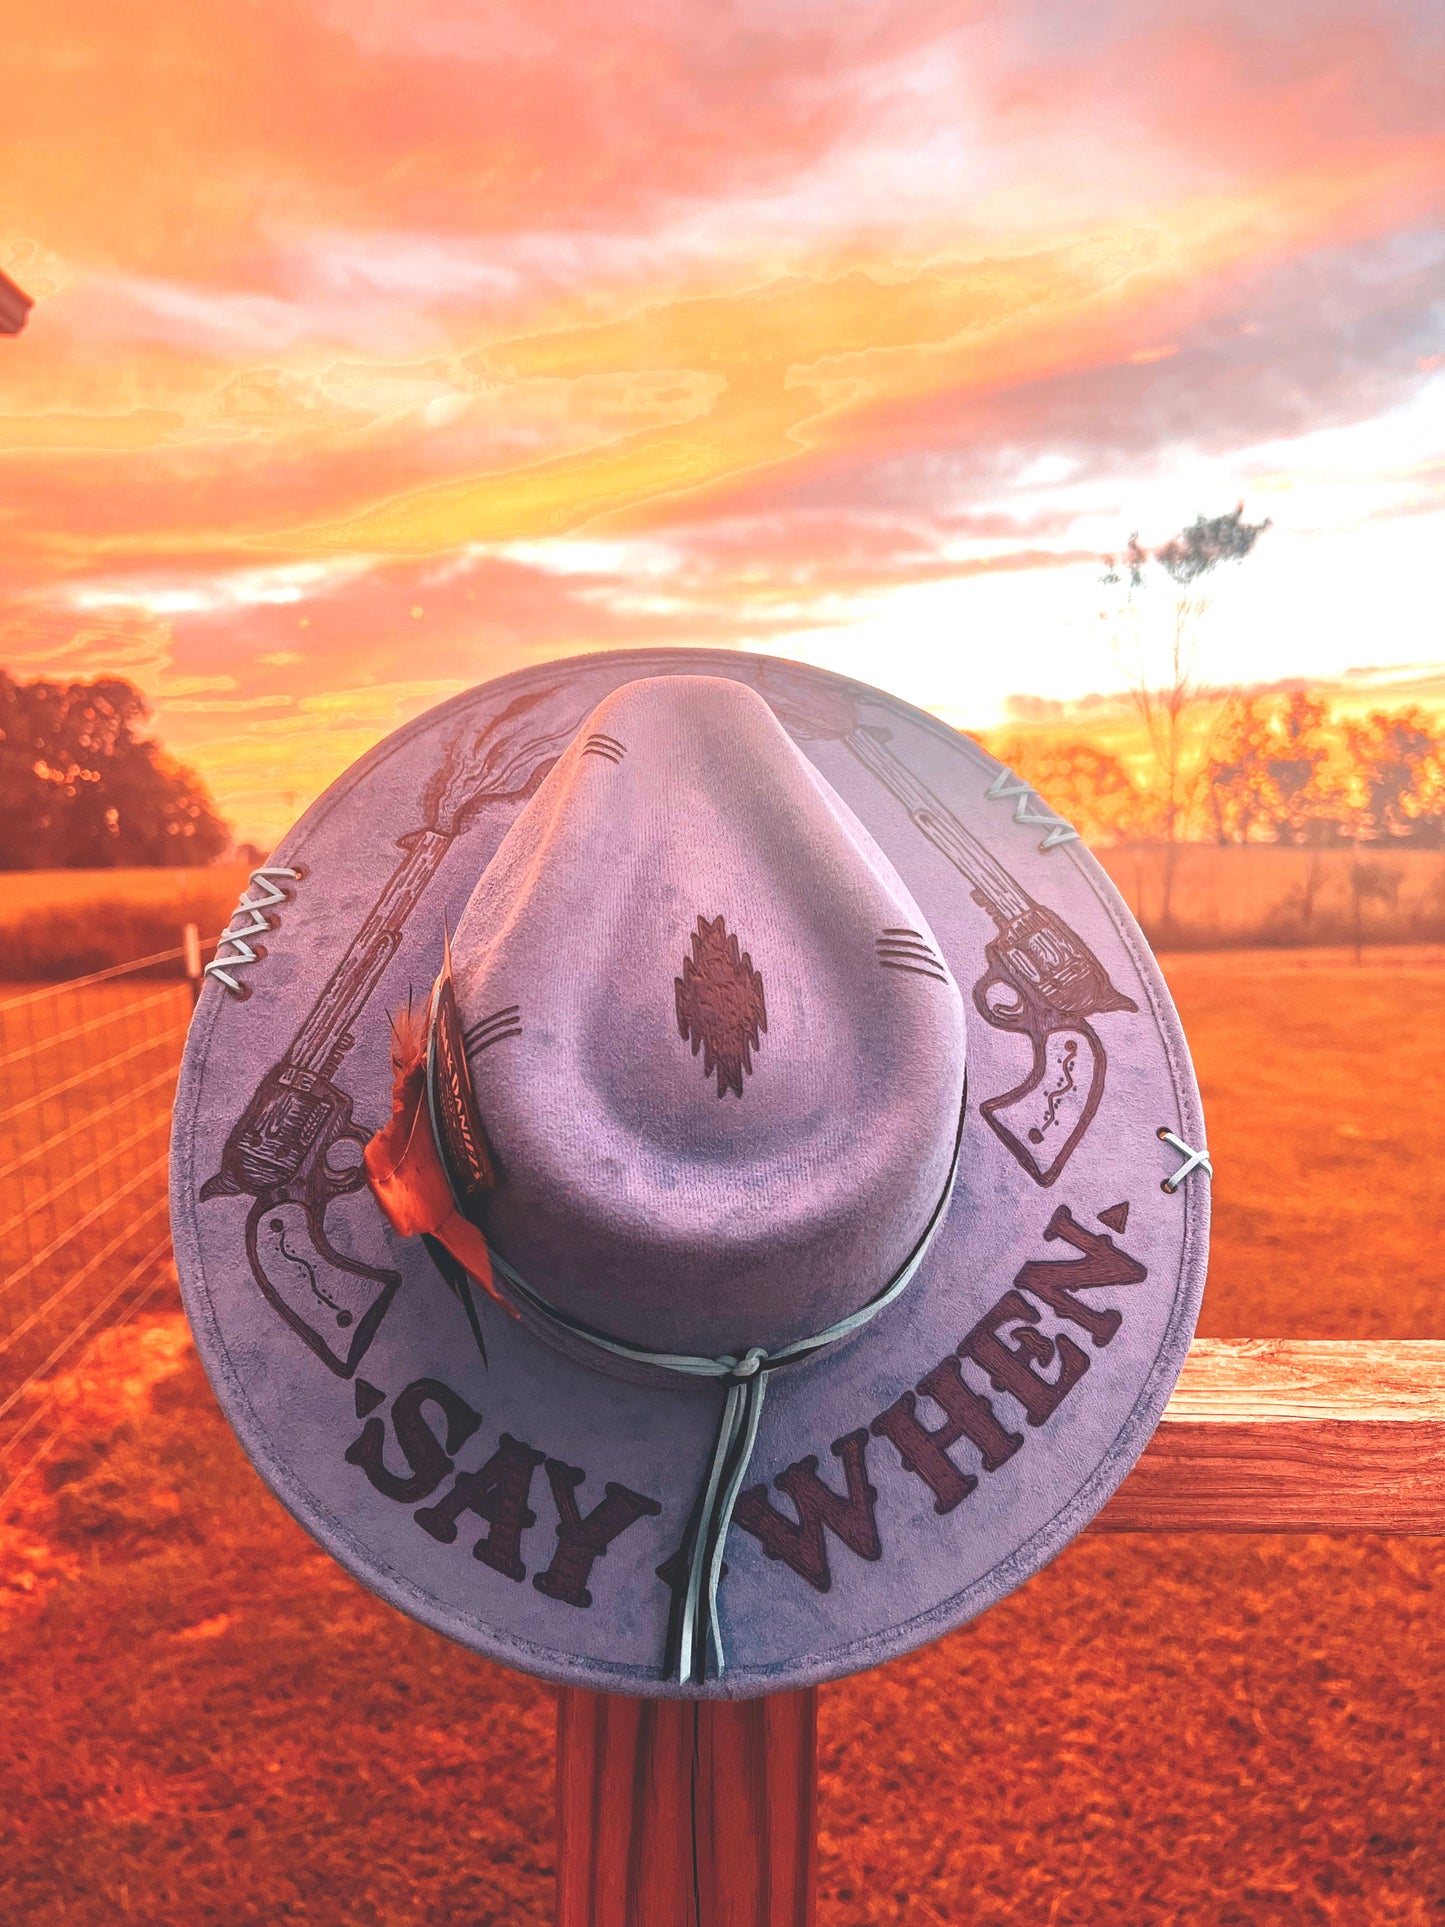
(694, 1625)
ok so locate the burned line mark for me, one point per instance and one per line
(1022, 1362)
(487, 1031)
(499, 1492)
(924, 1449)
(583, 1539)
(1015, 1361)
(496, 1492)
(428, 1459)
(1102, 1266)
(903, 949)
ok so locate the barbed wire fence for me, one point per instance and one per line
(87, 1074)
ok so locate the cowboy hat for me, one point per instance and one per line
(685, 1199)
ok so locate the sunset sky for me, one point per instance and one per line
(381, 346)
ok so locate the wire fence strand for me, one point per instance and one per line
(83, 1076)
(166, 1078)
(84, 1029)
(47, 1410)
(64, 1291)
(47, 1198)
(95, 977)
(87, 1075)
(151, 1258)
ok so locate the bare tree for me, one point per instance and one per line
(1172, 703)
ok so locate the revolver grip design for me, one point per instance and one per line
(1044, 983)
(281, 1155)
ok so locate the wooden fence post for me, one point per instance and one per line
(686, 1813)
(191, 958)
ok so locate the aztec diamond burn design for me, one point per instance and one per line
(1042, 983)
(720, 1008)
(288, 1149)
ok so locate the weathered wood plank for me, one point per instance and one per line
(1283, 1380)
(1277, 1435)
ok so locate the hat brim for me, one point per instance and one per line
(349, 1372)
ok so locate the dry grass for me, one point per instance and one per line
(1315, 1073)
(28, 891)
(65, 923)
(207, 1722)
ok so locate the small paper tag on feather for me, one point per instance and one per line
(458, 1124)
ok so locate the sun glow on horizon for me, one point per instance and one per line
(858, 336)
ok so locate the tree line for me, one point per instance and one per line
(1258, 768)
(82, 787)
(1228, 766)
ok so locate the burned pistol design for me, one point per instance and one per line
(1042, 981)
(296, 1148)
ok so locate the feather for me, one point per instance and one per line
(408, 1178)
(459, 1280)
(408, 1043)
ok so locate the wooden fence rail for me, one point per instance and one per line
(1295, 1435)
(671, 1814)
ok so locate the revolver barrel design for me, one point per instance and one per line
(1042, 981)
(296, 1148)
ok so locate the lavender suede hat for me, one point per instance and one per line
(686, 1176)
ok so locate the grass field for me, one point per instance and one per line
(170, 891)
(207, 1722)
(67, 923)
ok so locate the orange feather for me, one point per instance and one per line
(404, 1167)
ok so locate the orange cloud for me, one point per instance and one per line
(335, 295)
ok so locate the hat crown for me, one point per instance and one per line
(716, 1052)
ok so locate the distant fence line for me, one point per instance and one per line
(1279, 896)
(65, 925)
(87, 1073)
